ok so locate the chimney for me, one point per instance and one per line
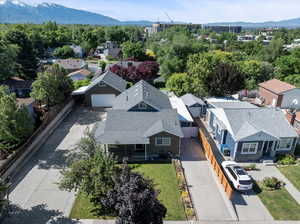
(291, 116)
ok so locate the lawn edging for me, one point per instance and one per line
(185, 194)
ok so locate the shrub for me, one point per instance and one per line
(286, 160)
(251, 167)
(111, 58)
(271, 183)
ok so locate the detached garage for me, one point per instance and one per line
(103, 90)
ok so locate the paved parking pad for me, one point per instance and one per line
(209, 202)
(35, 196)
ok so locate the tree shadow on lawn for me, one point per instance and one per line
(36, 215)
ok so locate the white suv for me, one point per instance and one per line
(238, 176)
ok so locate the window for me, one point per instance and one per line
(249, 148)
(101, 84)
(142, 106)
(285, 143)
(162, 141)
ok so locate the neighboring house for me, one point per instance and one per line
(19, 86)
(251, 134)
(81, 74)
(141, 125)
(29, 104)
(103, 90)
(110, 48)
(188, 126)
(195, 105)
(228, 102)
(279, 94)
(78, 51)
(72, 65)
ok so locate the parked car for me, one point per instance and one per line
(237, 175)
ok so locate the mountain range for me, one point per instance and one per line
(14, 11)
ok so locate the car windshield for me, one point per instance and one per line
(240, 170)
(245, 182)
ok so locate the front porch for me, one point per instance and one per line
(134, 152)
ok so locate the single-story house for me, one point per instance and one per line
(228, 102)
(195, 105)
(72, 65)
(79, 75)
(250, 134)
(19, 86)
(103, 90)
(279, 94)
(141, 125)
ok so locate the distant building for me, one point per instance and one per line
(110, 48)
(159, 27)
(78, 51)
(19, 86)
(223, 29)
(72, 65)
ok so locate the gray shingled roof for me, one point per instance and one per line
(122, 127)
(190, 100)
(233, 105)
(142, 92)
(247, 122)
(110, 79)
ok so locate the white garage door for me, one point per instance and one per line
(103, 100)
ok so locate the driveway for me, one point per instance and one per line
(209, 202)
(35, 194)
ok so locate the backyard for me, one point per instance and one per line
(164, 177)
(280, 203)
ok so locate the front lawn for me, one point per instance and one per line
(163, 175)
(280, 203)
(292, 173)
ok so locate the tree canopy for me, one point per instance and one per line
(215, 73)
(16, 124)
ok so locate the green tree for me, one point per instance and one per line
(91, 170)
(273, 50)
(293, 79)
(214, 73)
(64, 52)
(52, 86)
(256, 72)
(8, 57)
(27, 56)
(178, 83)
(134, 199)
(287, 65)
(16, 124)
(133, 50)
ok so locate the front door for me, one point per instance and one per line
(267, 148)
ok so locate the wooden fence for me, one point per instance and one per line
(217, 168)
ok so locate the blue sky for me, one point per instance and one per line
(196, 11)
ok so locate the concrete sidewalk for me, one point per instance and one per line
(209, 202)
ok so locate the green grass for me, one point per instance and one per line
(82, 209)
(292, 173)
(164, 178)
(280, 203)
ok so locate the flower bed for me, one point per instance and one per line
(184, 191)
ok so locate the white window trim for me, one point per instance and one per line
(162, 140)
(248, 144)
(285, 149)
